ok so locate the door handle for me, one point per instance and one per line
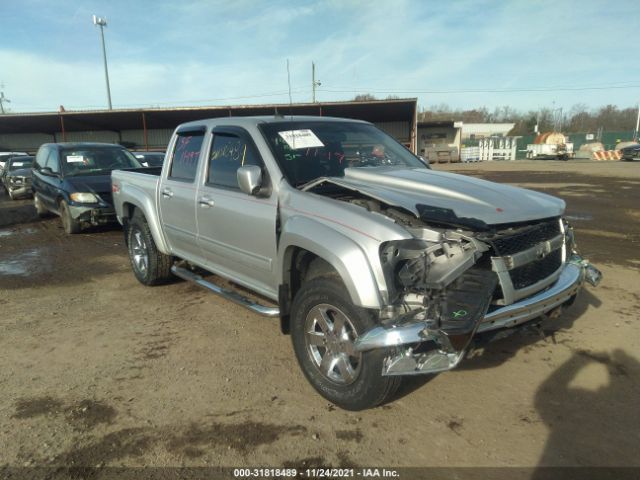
(206, 202)
(167, 193)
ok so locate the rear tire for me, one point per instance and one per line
(325, 323)
(71, 225)
(150, 266)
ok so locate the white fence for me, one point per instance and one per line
(489, 149)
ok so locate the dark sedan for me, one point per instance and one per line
(16, 177)
(73, 180)
(630, 153)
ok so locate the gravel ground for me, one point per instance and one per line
(98, 370)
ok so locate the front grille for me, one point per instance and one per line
(533, 272)
(508, 244)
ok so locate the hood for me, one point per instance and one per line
(449, 198)
(91, 183)
(20, 172)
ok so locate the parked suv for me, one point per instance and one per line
(73, 180)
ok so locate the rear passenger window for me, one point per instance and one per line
(184, 164)
(228, 153)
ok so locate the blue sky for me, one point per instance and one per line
(198, 52)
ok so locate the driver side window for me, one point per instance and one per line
(52, 161)
(228, 153)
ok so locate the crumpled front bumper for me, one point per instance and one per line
(20, 190)
(94, 215)
(444, 356)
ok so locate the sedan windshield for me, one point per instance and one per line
(17, 164)
(309, 150)
(96, 160)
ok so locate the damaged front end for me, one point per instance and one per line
(449, 285)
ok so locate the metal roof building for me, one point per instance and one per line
(151, 128)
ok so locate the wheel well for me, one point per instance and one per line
(300, 266)
(128, 210)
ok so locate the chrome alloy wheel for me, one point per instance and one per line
(329, 337)
(140, 255)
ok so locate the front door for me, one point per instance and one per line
(236, 231)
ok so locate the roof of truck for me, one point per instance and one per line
(251, 121)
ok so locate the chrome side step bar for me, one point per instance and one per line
(223, 292)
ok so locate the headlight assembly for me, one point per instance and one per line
(84, 197)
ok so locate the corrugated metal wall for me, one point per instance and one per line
(28, 142)
(104, 136)
(158, 139)
(401, 131)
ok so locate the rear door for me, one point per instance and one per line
(236, 231)
(177, 196)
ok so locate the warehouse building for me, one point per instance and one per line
(151, 128)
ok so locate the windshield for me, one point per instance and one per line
(309, 150)
(17, 164)
(95, 160)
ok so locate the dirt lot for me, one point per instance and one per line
(99, 370)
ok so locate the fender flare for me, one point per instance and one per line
(140, 200)
(340, 251)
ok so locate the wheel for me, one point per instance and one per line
(324, 326)
(70, 224)
(40, 208)
(150, 266)
(11, 196)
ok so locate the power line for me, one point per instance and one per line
(478, 90)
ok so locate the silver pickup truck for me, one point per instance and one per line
(376, 265)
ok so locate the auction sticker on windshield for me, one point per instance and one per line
(75, 159)
(18, 164)
(304, 138)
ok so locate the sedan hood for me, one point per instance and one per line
(448, 198)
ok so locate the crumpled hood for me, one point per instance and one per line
(448, 197)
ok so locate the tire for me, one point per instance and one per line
(71, 225)
(352, 381)
(40, 208)
(150, 266)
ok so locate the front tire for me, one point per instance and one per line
(150, 266)
(71, 225)
(40, 208)
(324, 326)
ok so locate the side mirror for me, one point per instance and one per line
(47, 171)
(250, 179)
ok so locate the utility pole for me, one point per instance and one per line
(314, 83)
(4, 100)
(102, 22)
(635, 134)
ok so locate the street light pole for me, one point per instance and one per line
(102, 22)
